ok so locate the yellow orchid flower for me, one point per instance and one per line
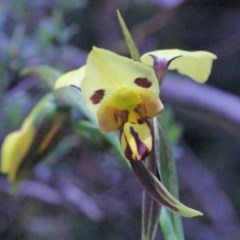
(72, 78)
(124, 94)
(22, 149)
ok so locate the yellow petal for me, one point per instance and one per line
(127, 105)
(196, 65)
(16, 144)
(111, 119)
(22, 149)
(136, 141)
(15, 147)
(72, 78)
(151, 104)
(107, 72)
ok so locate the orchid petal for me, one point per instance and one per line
(196, 65)
(22, 149)
(107, 72)
(127, 105)
(136, 141)
(159, 193)
(15, 147)
(72, 78)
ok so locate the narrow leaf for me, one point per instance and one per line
(128, 39)
(167, 226)
(151, 209)
(168, 168)
(171, 224)
(169, 177)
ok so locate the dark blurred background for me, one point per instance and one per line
(83, 190)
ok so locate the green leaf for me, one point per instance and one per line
(169, 178)
(87, 130)
(167, 226)
(166, 217)
(128, 39)
(172, 128)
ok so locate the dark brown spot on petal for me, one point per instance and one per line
(97, 96)
(120, 116)
(140, 121)
(140, 109)
(143, 82)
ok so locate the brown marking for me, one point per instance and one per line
(140, 109)
(141, 147)
(128, 151)
(140, 121)
(120, 116)
(97, 96)
(143, 82)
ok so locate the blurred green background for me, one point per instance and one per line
(83, 190)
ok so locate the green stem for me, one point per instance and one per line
(169, 179)
(150, 208)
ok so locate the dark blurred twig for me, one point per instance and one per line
(208, 103)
